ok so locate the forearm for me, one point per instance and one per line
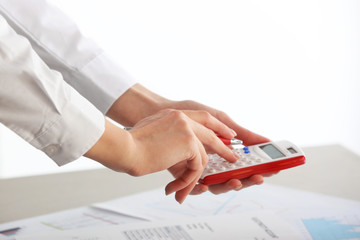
(139, 102)
(136, 104)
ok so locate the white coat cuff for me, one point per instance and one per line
(77, 129)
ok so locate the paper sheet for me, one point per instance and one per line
(65, 220)
(309, 213)
(299, 208)
(154, 205)
(226, 227)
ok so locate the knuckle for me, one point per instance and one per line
(135, 172)
(166, 110)
(177, 114)
(180, 119)
(206, 116)
(185, 180)
(188, 103)
(205, 161)
(212, 139)
(189, 139)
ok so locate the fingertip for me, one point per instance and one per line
(180, 196)
(237, 156)
(270, 174)
(257, 179)
(169, 189)
(180, 200)
(199, 189)
(233, 132)
(204, 188)
(234, 184)
(230, 156)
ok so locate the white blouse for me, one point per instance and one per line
(40, 47)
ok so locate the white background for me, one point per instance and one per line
(285, 69)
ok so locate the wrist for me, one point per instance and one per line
(114, 149)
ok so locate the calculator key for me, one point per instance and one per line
(252, 157)
(232, 166)
(239, 164)
(221, 168)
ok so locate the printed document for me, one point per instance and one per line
(226, 227)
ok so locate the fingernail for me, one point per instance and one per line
(233, 132)
(238, 188)
(236, 155)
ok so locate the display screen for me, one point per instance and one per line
(272, 151)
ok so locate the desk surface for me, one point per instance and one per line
(331, 170)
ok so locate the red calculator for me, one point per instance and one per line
(256, 159)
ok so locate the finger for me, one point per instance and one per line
(213, 143)
(184, 192)
(199, 189)
(194, 168)
(236, 184)
(253, 180)
(181, 195)
(182, 181)
(249, 137)
(204, 126)
(232, 184)
(210, 122)
(270, 174)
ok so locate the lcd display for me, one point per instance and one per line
(272, 151)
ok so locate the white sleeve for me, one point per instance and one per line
(58, 41)
(37, 104)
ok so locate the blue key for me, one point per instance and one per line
(246, 150)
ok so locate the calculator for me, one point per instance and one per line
(256, 159)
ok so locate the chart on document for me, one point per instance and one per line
(333, 227)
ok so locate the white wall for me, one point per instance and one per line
(285, 69)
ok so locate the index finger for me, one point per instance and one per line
(249, 137)
(210, 122)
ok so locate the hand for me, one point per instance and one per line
(138, 103)
(172, 137)
(248, 137)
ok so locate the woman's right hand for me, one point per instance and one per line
(171, 136)
(161, 141)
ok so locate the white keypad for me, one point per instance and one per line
(218, 164)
